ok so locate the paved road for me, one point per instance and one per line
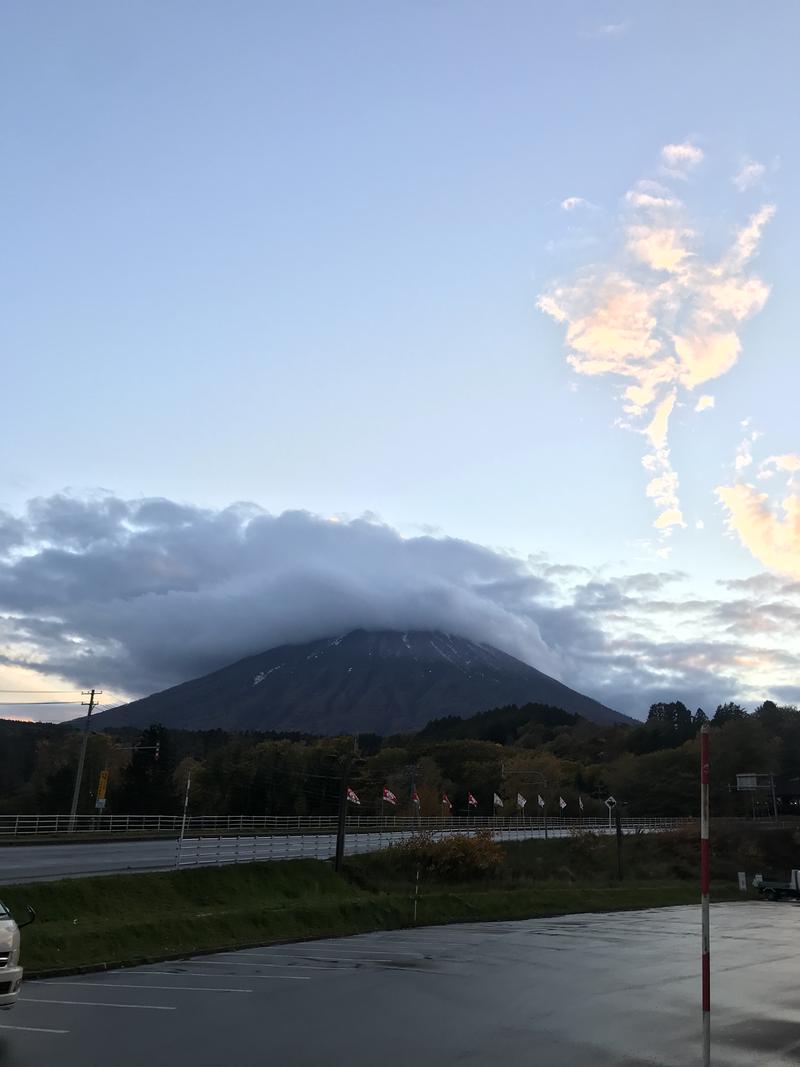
(615, 990)
(22, 863)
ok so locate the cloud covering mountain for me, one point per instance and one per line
(137, 595)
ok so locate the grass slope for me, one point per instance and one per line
(124, 919)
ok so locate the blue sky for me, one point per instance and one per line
(292, 254)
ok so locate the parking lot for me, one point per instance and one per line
(618, 989)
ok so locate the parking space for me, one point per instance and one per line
(618, 989)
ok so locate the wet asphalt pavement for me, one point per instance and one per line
(596, 990)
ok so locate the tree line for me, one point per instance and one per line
(533, 750)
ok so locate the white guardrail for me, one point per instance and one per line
(301, 825)
(213, 851)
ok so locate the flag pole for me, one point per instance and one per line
(705, 886)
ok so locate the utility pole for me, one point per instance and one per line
(183, 821)
(91, 704)
(341, 825)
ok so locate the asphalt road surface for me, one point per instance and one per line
(23, 863)
(619, 990)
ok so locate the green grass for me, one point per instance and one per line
(124, 919)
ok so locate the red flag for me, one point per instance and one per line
(473, 803)
(446, 801)
(351, 796)
(415, 797)
(389, 796)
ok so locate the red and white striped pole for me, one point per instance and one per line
(705, 878)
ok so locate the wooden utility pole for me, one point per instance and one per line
(90, 706)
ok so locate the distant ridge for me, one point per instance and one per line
(382, 682)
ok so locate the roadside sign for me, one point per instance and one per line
(742, 881)
(610, 803)
(100, 796)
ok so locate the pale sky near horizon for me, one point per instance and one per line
(469, 268)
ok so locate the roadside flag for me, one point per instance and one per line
(498, 803)
(473, 803)
(389, 796)
(415, 797)
(352, 797)
(521, 801)
(562, 803)
(580, 803)
(539, 800)
(446, 801)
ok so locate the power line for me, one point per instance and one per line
(33, 703)
(40, 691)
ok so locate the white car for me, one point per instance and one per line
(10, 970)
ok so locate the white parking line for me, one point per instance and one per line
(124, 985)
(232, 962)
(97, 1004)
(331, 969)
(33, 1029)
(249, 977)
(317, 956)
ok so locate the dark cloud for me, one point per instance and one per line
(138, 595)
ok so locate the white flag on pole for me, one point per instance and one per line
(521, 801)
(562, 803)
(580, 803)
(539, 800)
(498, 803)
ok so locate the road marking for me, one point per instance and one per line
(257, 963)
(33, 1029)
(332, 969)
(123, 985)
(398, 953)
(97, 1004)
(315, 956)
(205, 974)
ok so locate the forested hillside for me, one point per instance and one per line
(533, 750)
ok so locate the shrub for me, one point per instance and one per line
(454, 856)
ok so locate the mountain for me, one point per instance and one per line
(366, 682)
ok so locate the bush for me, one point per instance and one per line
(455, 856)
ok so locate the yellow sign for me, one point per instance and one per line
(101, 786)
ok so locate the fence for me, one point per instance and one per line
(216, 851)
(300, 825)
